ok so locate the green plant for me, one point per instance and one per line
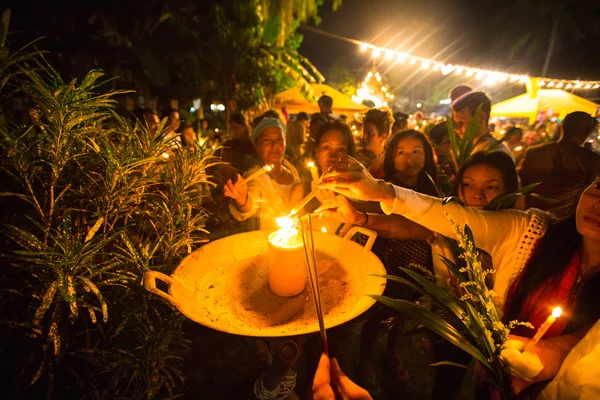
(465, 314)
(90, 202)
(462, 147)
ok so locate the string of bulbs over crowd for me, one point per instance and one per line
(488, 76)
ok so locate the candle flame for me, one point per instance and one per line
(268, 167)
(285, 222)
(310, 164)
(324, 230)
(165, 155)
(557, 312)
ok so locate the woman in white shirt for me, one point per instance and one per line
(273, 194)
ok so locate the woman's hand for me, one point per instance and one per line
(549, 354)
(351, 178)
(237, 190)
(340, 208)
(322, 194)
(330, 381)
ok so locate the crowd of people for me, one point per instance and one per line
(544, 248)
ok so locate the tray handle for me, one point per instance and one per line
(371, 234)
(149, 282)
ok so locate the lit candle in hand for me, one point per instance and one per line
(543, 328)
(286, 260)
(259, 172)
(314, 172)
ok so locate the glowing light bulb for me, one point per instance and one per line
(425, 64)
(413, 60)
(402, 57)
(596, 86)
(541, 83)
(551, 84)
(324, 230)
(364, 47)
(383, 89)
(388, 55)
(588, 86)
(569, 85)
(560, 84)
(437, 67)
(376, 53)
(469, 73)
(578, 85)
(459, 70)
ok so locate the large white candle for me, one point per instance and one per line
(286, 261)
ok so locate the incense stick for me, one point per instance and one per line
(314, 278)
(303, 202)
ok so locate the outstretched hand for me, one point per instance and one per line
(350, 178)
(236, 189)
(330, 381)
(340, 208)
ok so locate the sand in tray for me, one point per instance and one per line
(256, 305)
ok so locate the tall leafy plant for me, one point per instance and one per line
(90, 202)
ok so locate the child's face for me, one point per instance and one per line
(409, 158)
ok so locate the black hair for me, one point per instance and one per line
(459, 90)
(302, 116)
(317, 118)
(578, 125)
(438, 133)
(424, 184)
(472, 101)
(400, 120)
(140, 113)
(238, 118)
(381, 118)
(327, 101)
(496, 159)
(336, 125)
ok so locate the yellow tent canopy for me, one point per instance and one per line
(295, 102)
(555, 102)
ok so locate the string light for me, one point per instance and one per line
(490, 77)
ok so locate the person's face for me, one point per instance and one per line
(153, 122)
(270, 146)
(409, 158)
(174, 121)
(480, 184)
(332, 146)
(238, 131)
(204, 125)
(444, 147)
(461, 119)
(372, 141)
(189, 136)
(588, 212)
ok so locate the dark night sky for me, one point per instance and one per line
(457, 31)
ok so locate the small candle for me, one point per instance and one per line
(543, 328)
(259, 172)
(286, 261)
(314, 172)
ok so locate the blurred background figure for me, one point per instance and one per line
(239, 151)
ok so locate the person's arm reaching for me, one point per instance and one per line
(490, 229)
(389, 226)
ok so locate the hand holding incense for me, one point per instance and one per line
(259, 172)
(543, 328)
